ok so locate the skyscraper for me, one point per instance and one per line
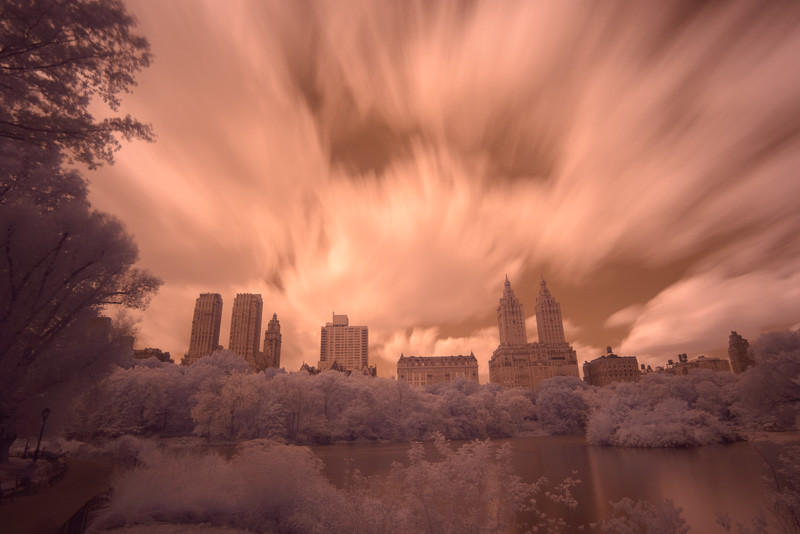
(345, 344)
(271, 356)
(548, 317)
(517, 363)
(246, 326)
(510, 318)
(205, 327)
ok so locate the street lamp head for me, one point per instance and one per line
(45, 415)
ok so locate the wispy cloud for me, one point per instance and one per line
(393, 160)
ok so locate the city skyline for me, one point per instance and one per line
(511, 333)
(400, 172)
(451, 205)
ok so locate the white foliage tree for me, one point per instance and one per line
(769, 392)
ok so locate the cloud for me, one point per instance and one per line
(625, 316)
(696, 314)
(481, 343)
(393, 160)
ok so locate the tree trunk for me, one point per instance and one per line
(7, 438)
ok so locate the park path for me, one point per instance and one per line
(44, 513)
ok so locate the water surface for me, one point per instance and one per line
(729, 479)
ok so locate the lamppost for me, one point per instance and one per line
(45, 415)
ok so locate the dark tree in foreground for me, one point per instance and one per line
(54, 267)
(769, 392)
(61, 262)
(57, 57)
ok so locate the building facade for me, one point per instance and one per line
(345, 344)
(205, 327)
(271, 355)
(144, 354)
(739, 352)
(245, 337)
(517, 363)
(427, 370)
(610, 368)
(687, 367)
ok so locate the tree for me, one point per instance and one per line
(59, 57)
(769, 392)
(58, 270)
(36, 175)
(560, 405)
(53, 267)
(61, 262)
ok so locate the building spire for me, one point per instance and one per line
(510, 318)
(543, 288)
(548, 316)
(507, 292)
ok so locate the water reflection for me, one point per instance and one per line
(704, 481)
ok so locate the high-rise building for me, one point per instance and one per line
(548, 317)
(739, 353)
(205, 327)
(517, 363)
(426, 370)
(511, 318)
(246, 326)
(271, 355)
(347, 345)
(610, 368)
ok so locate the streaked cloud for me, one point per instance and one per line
(393, 161)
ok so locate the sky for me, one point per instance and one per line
(394, 161)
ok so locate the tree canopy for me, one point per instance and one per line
(61, 261)
(53, 267)
(57, 59)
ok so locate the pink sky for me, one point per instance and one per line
(393, 161)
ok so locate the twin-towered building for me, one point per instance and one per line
(244, 335)
(517, 363)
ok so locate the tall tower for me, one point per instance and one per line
(246, 326)
(739, 353)
(347, 345)
(205, 327)
(272, 343)
(548, 317)
(510, 318)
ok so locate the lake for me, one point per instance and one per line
(703, 481)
